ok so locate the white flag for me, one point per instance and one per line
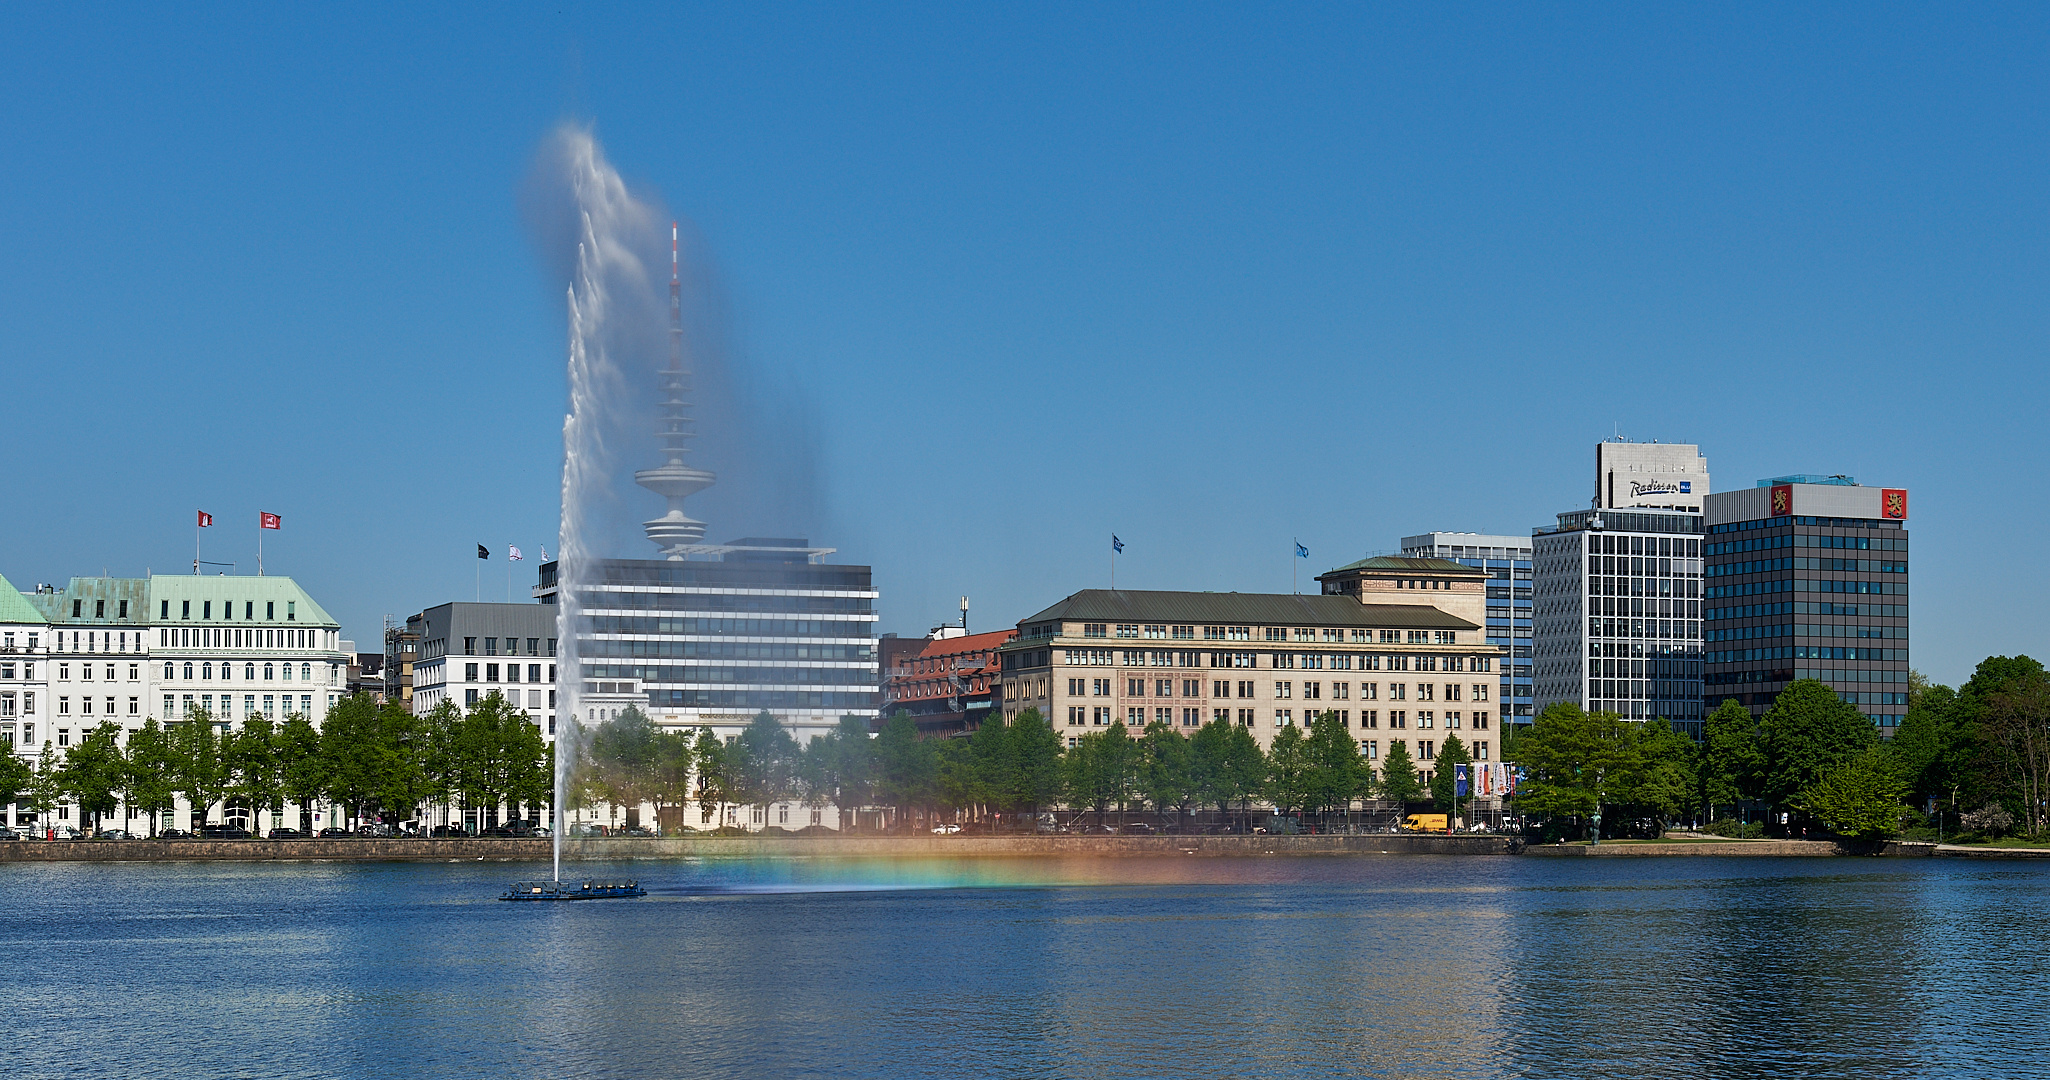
(513, 553)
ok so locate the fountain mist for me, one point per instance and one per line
(611, 304)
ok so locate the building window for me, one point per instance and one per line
(1135, 717)
(1128, 630)
(1284, 689)
(1284, 718)
(1095, 629)
(469, 646)
(469, 697)
(469, 675)
(1156, 630)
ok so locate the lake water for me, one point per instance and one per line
(1384, 966)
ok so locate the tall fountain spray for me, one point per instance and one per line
(610, 301)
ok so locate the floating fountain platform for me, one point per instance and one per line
(589, 889)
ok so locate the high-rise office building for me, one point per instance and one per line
(1617, 623)
(1808, 579)
(1507, 559)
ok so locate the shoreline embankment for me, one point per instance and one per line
(400, 849)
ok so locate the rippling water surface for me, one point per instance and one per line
(1374, 966)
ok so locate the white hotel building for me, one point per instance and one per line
(166, 647)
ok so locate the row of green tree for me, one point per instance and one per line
(1020, 767)
(1976, 759)
(374, 761)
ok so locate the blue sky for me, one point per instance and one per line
(1012, 279)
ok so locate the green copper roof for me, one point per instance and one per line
(15, 608)
(239, 591)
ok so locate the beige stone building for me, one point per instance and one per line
(1395, 647)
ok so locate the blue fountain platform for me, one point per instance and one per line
(590, 889)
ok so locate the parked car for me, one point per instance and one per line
(1139, 827)
(373, 829)
(510, 830)
(286, 834)
(8, 834)
(65, 832)
(334, 831)
(639, 830)
(943, 830)
(226, 832)
(174, 834)
(446, 832)
(112, 834)
(541, 831)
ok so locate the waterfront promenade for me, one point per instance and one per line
(888, 847)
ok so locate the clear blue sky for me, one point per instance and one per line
(1212, 278)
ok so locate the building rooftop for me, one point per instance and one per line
(1414, 564)
(15, 608)
(1252, 609)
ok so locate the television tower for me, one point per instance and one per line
(674, 532)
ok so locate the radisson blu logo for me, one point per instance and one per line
(1660, 487)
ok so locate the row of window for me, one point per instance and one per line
(1810, 607)
(701, 601)
(228, 637)
(206, 610)
(1286, 688)
(512, 646)
(1818, 522)
(271, 671)
(205, 703)
(1749, 633)
(1276, 660)
(727, 650)
(1808, 540)
(650, 624)
(1369, 719)
(512, 673)
(741, 676)
(1643, 586)
(1659, 629)
(1170, 631)
(1668, 546)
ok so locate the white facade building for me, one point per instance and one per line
(1617, 606)
(169, 648)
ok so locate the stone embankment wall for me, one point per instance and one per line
(492, 850)
(1743, 848)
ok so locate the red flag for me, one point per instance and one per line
(270, 521)
(205, 519)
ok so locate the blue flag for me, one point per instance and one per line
(1115, 543)
(1301, 552)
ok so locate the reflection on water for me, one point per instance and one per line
(1388, 966)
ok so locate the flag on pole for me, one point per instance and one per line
(544, 552)
(267, 520)
(512, 553)
(205, 519)
(1115, 543)
(1301, 552)
(483, 552)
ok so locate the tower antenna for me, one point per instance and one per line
(674, 532)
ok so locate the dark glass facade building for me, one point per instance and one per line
(1807, 578)
(767, 624)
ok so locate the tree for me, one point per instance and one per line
(623, 759)
(1732, 760)
(849, 768)
(1164, 766)
(1288, 767)
(1809, 731)
(1399, 783)
(15, 775)
(709, 755)
(1037, 750)
(92, 773)
(1857, 797)
(197, 769)
(907, 768)
(252, 763)
(1665, 783)
(1245, 770)
(300, 777)
(2017, 720)
(45, 785)
(1336, 770)
(764, 764)
(353, 754)
(1444, 774)
(151, 783)
(1577, 762)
